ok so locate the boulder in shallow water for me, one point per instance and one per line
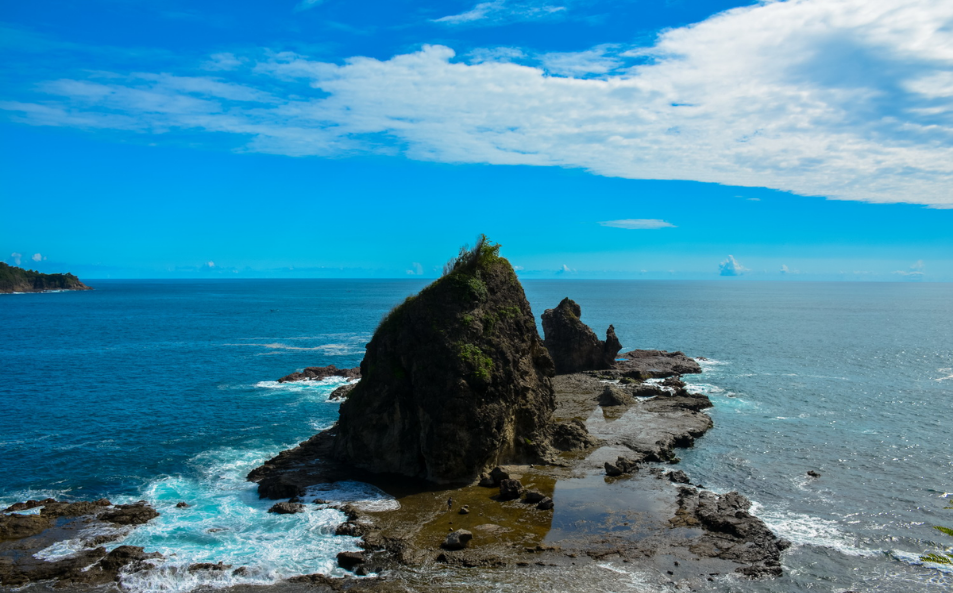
(573, 346)
(614, 396)
(510, 489)
(457, 540)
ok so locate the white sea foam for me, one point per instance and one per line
(949, 376)
(69, 547)
(805, 530)
(917, 560)
(225, 521)
(321, 388)
(361, 495)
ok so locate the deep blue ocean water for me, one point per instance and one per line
(165, 390)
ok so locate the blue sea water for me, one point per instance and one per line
(166, 391)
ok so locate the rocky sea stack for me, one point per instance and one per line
(573, 345)
(455, 381)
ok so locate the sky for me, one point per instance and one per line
(793, 140)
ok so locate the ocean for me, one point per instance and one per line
(166, 391)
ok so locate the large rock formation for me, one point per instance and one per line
(455, 380)
(573, 345)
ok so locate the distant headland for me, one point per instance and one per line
(14, 279)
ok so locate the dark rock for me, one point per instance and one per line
(181, 505)
(675, 382)
(732, 533)
(813, 474)
(510, 489)
(30, 504)
(545, 504)
(20, 526)
(318, 373)
(286, 508)
(648, 390)
(341, 392)
(465, 510)
(498, 474)
(532, 497)
(573, 346)
(349, 528)
(457, 540)
(622, 465)
(361, 571)
(573, 436)
(486, 481)
(130, 514)
(455, 380)
(647, 364)
(219, 566)
(124, 556)
(677, 477)
(613, 396)
(241, 571)
(348, 560)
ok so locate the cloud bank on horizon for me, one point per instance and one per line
(847, 99)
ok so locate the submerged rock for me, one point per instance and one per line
(573, 345)
(454, 381)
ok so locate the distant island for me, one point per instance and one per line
(14, 279)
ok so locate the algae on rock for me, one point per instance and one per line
(456, 379)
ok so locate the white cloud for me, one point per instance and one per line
(210, 264)
(754, 199)
(638, 223)
(15, 258)
(732, 267)
(416, 270)
(502, 10)
(565, 270)
(582, 63)
(915, 272)
(786, 270)
(223, 61)
(838, 98)
(37, 257)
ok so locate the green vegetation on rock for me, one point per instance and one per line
(14, 279)
(945, 557)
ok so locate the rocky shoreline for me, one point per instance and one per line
(511, 459)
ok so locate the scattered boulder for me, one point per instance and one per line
(286, 508)
(454, 380)
(457, 540)
(622, 465)
(181, 505)
(675, 382)
(545, 505)
(464, 510)
(533, 496)
(498, 474)
(573, 436)
(573, 346)
(318, 373)
(813, 474)
(510, 489)
(349, 528)
(349, 560)
(677, 477)
(613, 396)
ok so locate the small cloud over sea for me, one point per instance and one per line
(732, 267)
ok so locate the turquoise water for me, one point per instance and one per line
(164, 390)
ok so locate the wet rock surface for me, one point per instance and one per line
(573, 346)
(648, 364)
(21, 536)
(318, 373)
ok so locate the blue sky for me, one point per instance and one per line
(806, 139)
